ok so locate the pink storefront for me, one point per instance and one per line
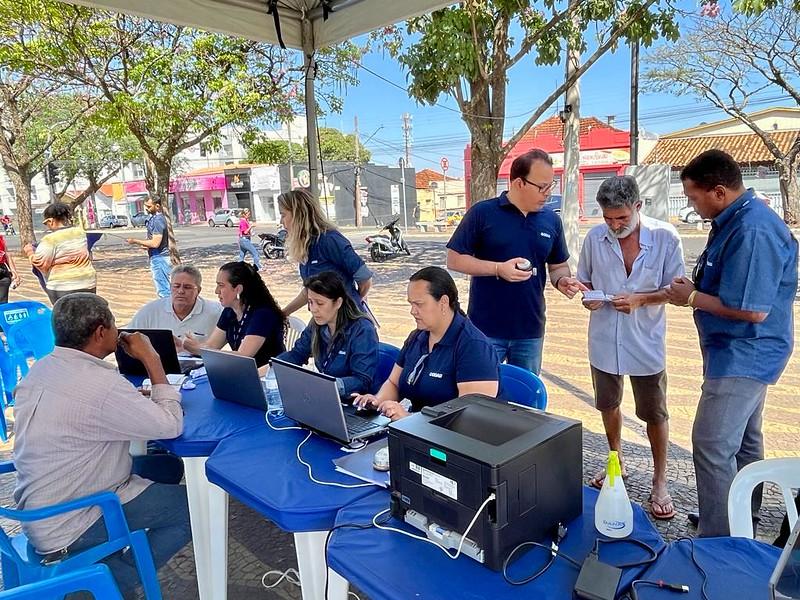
(196, 197)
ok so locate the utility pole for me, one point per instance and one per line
(572, 152)
(402, 164)
(291, 156)
(634, 127)
(407, 138)
(357, 169)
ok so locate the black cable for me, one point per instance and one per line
(653, 554)
(553, 549)
(674, 587)
(703, 592)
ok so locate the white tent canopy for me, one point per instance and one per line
(304, 24)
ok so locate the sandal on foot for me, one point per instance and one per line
(662, 508)
(597, 481)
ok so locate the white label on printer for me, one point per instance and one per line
(437, 482)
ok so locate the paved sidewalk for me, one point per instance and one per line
(257, 546)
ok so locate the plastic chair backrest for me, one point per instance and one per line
(13, 314)
(96, 579)
(8, 381)
(296, 327)
(783, 471)
(22, 565)
(387, 357)
(521, 386)
(35, 338)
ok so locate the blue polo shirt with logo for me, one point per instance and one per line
(750, 263)
(497, 231)
(463, 354)
(352, 357)
(157, 225)
(331, 251)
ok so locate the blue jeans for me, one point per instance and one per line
(246, 247)
(162, 509)
(525, 353)
(160, 268)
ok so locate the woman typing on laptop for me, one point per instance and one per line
(444, 358)
(340, 338)
(251, 322)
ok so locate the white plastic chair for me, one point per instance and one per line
(785, 472)
(296, 327)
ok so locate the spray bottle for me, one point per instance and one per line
(613, 513)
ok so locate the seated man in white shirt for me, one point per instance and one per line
(632, 259)
(184, 311)
(75, 417)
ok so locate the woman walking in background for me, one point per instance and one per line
(8, 272)
(245, 244)
(63, 255)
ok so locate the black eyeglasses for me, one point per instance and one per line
(544, 188)
(413, 376)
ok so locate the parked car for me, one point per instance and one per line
(689, 215)
(110, 221)
(225, 216)
(138, 220)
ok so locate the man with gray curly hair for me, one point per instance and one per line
(75, 419)
(628, 263)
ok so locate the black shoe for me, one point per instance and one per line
(694, 519)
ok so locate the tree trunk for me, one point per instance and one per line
(158, 186)
(21, 181)
(486, 151)
(790, 190)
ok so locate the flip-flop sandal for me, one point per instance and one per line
(597, 481)
(662, 503)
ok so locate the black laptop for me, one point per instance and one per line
(164, 345)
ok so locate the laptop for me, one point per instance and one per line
(312, 400)
(785, 581)
(234, 378)
(164, 345)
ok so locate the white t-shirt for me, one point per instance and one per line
(158, 314)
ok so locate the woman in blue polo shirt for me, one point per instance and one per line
(446, 357)
(251, 322)
(316, 244)
(341, 339)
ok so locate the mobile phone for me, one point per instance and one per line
(524, 265)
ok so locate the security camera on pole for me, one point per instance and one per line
(445, 164)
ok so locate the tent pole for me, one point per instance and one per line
(310, 67)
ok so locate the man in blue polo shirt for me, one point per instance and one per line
(742, 293)
(157, 244)
(505, 243)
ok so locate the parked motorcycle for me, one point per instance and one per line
(383, 247)
(273, 245)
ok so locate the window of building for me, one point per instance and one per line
(138, 171)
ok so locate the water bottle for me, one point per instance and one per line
(613, 513)
(274, 402)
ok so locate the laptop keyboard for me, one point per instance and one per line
(358, 425)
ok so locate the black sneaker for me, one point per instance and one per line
(694, 519)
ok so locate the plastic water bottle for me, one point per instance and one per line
(613, 513)
(274, 402)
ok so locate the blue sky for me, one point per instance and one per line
(439, 131)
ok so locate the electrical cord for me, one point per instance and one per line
(641, 544)
(369, 525)
(474, 520)
(554, 552)
(700, 568)
(675, 587)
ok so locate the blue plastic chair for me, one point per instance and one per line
(13, 314)
(8, 381)
(521, 386)
(387, 357)
(34, 339)
(96, 579)
(21, 564)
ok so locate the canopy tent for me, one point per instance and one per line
(302, 24)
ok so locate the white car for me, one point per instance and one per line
(689, 215)
(225, 216)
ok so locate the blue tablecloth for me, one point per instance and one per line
(388, 565)
(207, 421)
(259, 467)
(736, 568)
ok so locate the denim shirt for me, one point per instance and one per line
(331, 251)
(750, 263)
(352, 359)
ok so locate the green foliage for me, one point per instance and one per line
(335, 145)
(276, 152)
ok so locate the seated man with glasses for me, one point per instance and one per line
(504, 244)
(184, 311)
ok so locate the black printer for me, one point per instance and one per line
(447, 459)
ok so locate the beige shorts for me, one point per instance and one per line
(649, 394)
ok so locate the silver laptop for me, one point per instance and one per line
(785, 581)
(234, 378)
(312, 400)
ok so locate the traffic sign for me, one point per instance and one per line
(444, 163)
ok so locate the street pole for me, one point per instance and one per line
(310, 69)
(444, 195)
(634, 126)
(124, 193)
(402, 164)
(357, 168)
(572, 153)
(291, 156)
